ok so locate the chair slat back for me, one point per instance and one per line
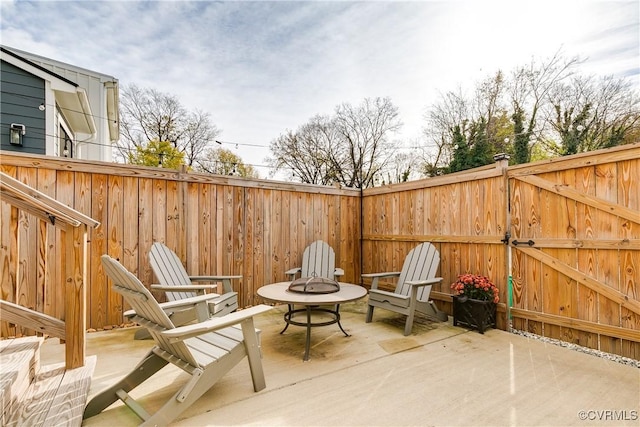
(421, 263)
(169, 270)
(145, 306)
(318, 259)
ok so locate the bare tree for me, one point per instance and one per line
(590, 113)
(530, 88)
(400, 168)
(197, 136)
(364, 147)
(449, 116)
(150, 115)
(304, 154)
(512, 113)
(349, 148)
(224, 162)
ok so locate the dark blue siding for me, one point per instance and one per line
(21, 94)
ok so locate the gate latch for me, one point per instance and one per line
(507, 236)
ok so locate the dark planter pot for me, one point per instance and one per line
(473, 313)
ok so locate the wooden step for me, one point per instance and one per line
(20, 360)
(56, 397)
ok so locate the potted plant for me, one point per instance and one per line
(474, 301)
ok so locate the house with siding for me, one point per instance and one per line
(51, 108)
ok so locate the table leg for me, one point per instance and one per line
(338, 319)
(286, 319)
(308, 343)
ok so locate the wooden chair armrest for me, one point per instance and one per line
(376, 276)
(183, 288)
(292, 273)
(387, 274)
(184, 303)
(424, 282)
(226, 281)
(198, 303)
(294, 270)
(212, 278)
(188, 331)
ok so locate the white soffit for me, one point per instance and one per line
(76, 110)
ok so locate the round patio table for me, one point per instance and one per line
(279, 292)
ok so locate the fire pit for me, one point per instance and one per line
(316, 295)
(314, 285)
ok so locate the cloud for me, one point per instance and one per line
(261, 68)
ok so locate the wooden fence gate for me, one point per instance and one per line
(575, 249)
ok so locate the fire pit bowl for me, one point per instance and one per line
(314, 285)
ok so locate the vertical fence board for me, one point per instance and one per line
(276, 231)
(239, 243)
(115, 231)
(93, 189)
(587, 308)
(610, 311)
(46, 303)
(201, 258)
(145, 229)
(8, 251)
(130, 230)
(258, 239)
(173, 235)
(26, 280)
(65, 184)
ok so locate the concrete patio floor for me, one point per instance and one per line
(439, 376)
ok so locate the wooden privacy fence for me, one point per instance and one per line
(576, 249)
(574, 243)
(561, 238)
(465, 215)
(216, 225)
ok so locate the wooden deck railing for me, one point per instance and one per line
(73, 225)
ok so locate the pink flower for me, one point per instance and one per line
(476, 287)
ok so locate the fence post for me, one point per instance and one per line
(502, 164)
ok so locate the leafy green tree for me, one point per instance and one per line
(157, 153)
(461, 152)
(542, 109)
(521, 143)
(482, 151)
(589, 114)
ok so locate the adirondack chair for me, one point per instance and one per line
(412, 288)
(205, 350)
(178, 285)
(318, 259)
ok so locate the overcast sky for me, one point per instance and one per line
(261, 68)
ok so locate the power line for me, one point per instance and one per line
(239, 143)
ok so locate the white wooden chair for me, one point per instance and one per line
(205, 350)
(412, 288)
(318, 260)
(177, 284)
